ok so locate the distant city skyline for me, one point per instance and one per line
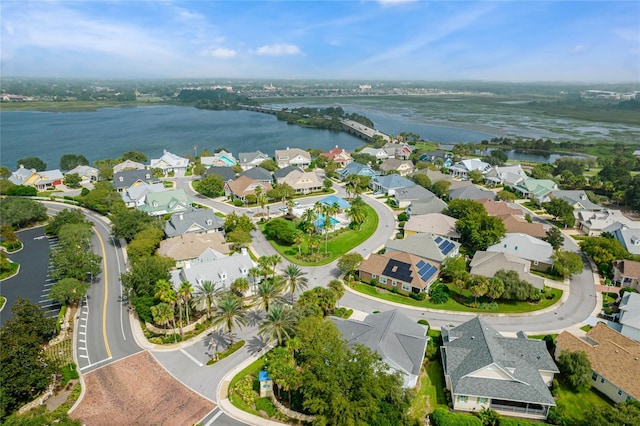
(370, 40)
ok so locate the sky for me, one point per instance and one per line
(323, 39)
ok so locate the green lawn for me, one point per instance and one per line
(452, 305)
(336, 247)
(430, 394)
(576, 404)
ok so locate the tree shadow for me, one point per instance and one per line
(254, 317)
(216, 341)
(255, 344)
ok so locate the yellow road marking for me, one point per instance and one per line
(106, 293)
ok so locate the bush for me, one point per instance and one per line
(238, 203)
(281, 230)
(402, 217)
(373, 282)
(439, 294)
(624, 290)
(418, 296)
(244, 389)
(69, 372)
(423, 322)
(442, 417)
(265, 404)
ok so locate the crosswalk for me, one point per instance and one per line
(51, 307)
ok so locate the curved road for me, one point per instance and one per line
(578, 306)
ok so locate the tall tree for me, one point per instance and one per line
(268, 292)
(71, 161)
(348, 263)
(295, 279)
(162, 315)
(230, 313)
(185, 292)
(555, 237)
(278, 324)
(68, 291)
(166, 293)
(576, 368)
(32, 163)
(207, 291)
(567, 263)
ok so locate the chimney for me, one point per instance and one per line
(187, 264)
(180, 216)
(243, 250)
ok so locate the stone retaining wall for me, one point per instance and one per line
(290, 413)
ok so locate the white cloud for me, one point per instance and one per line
(628, 34)
(280, 49)
(220, 52)
(580, 48)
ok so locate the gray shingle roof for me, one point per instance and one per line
(200, 220)
(412, 193)
(280, 173)
(126, 178)
(393, 181)
(474, 345)
(432, 247)
(430, 205)
(226, 173)
(400, 341)
(471, 192)
(258, 173)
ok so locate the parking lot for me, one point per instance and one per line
(33, 282)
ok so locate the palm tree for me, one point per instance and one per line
(337, 287)
(264, 262)
(298, 238)
(308, 218)
(254, 273)
(295, 279)
(207, 291)
(290, 205)
(275, 259)
(240, 286)
(186, 291)
(356, 215)
(230, 312)
(278, 324)
(163, 313)
(267, 292)
(166, 293)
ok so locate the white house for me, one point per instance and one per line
(170, 163)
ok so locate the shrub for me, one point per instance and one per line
(402, 217)
(439, 294)
(265, 404)
(624, 290)
(244, 389)
(423, 322)
(238, 203)
(442, 417)
(69, 372)
(373, 282)
(418, 296)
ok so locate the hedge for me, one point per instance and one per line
(442, 417)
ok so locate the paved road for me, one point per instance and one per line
(32, 282)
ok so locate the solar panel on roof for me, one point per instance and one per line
(398, 270)
(421, 264)
(437, 240)
(428, 273)
(441, 246)
(448, 249)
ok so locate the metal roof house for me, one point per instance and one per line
(510, 375)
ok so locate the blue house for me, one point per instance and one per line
(331, 199)
(390, 183)
(356, 169)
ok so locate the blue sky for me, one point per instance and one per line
(408, 40)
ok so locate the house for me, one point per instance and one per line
(302, 182)
(239, 189)
(293, 157)
(219, 159)
(280, 173)
(128, 165)
(628, 237)
(87, 174)
(593, 223)
(379, 153)
(500, 208)
(170, 163)
(432, 223)
(389, 184)
(428, 246)
(525, 247)
(131, 178)
(409, 194)
(188, 247)
(161, 203)
(626, 273)
(404, 271)
(483, 369)
(487, 263)
(400, 341)
(258, 174)
(226, 173)
(397, 166)
(398, 150)
(462, 168)
(471, 192)
(213, 266)
(505, 175)
(338, 155)
(577, 198)
(630, 315)
(356, 168)
(135, 195)
(614, 358)
(536, 189)
(42, 181)
(429, 205)
(198, 221)
(249, 160)
(437, 156)
(513, 224)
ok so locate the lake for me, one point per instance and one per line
(109, 132)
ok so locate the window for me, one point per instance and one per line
(535, 263)
(620, 392)
(393, 283)
(406, 287)
(594, 376)
(383, 280)
(483, 401)
(374, 276)
(602, 380)
(462, 398)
